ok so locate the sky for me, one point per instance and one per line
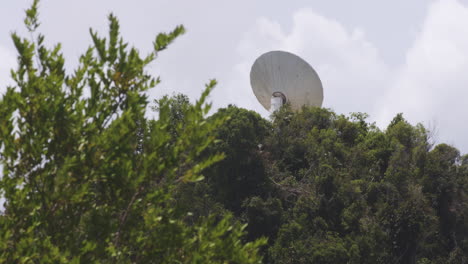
(378, 57)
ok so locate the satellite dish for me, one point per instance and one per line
(278, 77)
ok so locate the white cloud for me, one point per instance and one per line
(432, 84)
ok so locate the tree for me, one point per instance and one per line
(242, 173)
(351, 193)
(87, 178)
(179, 105)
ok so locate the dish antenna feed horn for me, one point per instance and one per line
(278, 77)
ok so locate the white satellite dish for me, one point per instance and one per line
(278, 77)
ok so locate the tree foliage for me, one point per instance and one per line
(337, 189)
(87, 178)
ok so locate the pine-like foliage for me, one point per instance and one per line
(87, 178)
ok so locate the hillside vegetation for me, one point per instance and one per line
(327, 188)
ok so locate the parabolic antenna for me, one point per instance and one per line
(278, 77)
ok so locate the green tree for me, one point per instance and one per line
(352, 193)
(87, 178)
(242, 173)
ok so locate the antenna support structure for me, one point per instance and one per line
(278, 99)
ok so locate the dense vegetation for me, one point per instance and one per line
(326, 188)
(89, 178)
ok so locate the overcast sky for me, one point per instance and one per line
(378, 57)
